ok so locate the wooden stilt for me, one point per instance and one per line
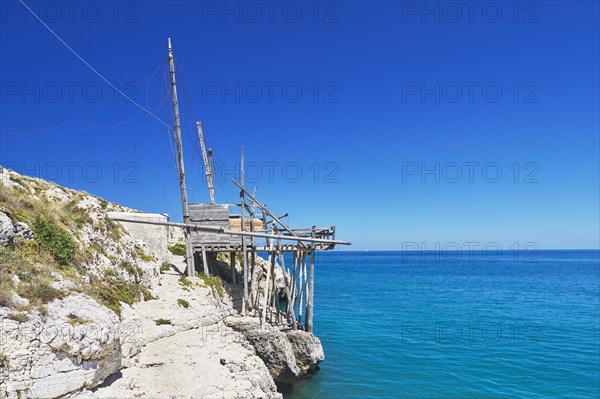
(288, 291)
(294, 262)
(205, 261)
(301, 285)
(311, 289)
(274, 285)
(252, 258)
(267, 286)
(232, 262)
(267, 289)
(252, 282)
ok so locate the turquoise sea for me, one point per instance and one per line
(434, 325)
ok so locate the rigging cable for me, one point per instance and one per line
(91, 67)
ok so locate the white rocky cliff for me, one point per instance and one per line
(91, 308)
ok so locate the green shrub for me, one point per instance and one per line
(39, 291)
(185, 283)
(162, 322)
(215, 284)
(5, 297)
(103, 203)
(133, 270)
(54, 239)
(112, 291)
(74, 215)
(109, 273)
(115, 230)
(18, 180)
(183, 303)
(140, 253)
(177, 249)
(165, 267)
(6, 287)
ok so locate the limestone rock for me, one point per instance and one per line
(7, 230)
(57, 194)
(271, 345)
(78, 347)
(23, 230)
(308, 351)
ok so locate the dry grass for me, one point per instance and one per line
(19, 317)
(75, 320)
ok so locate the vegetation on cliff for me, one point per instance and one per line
(67, 236)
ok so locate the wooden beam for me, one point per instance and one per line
(220, 230)
(263, 207)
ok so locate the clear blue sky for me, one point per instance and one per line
(368, 94)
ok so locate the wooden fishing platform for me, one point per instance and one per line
(218, 215)
(246, 229)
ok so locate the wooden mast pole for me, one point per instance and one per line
(244, 254)
(310, 300)
(208, 168)
(184, 204)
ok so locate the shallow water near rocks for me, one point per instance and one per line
(447, 326)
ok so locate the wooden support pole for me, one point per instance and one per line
(252, 282)
(232, 262)
(274, 285)
(288, 293)
(311, 289)
(189, 254)
(205, 261)
(294, 285)
(302, 285)
(253, 256)
(267, 286)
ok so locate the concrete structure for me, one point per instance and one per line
(154, 236)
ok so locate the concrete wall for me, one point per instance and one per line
(155, 237)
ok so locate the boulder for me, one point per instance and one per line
(271, 345)
(7, 230)
(308, 351)
(23, 230)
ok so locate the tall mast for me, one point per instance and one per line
(184, 202)
(244, 254)
(208, 167)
